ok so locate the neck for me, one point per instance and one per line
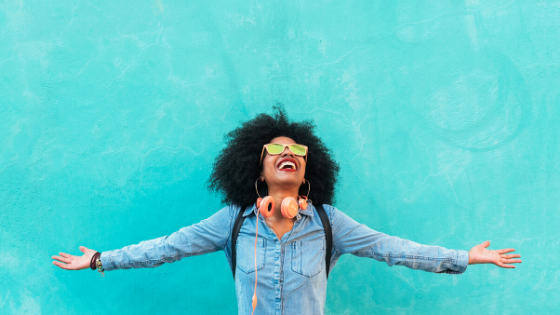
(279, 196)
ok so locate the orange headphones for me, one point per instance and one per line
(290, 208)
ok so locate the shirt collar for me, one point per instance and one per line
(309, 211)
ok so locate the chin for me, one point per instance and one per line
(290, 181)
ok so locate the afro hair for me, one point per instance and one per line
(237, 167)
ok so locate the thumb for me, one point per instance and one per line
(486, 244)
(83, 249)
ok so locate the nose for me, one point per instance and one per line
(286, 152)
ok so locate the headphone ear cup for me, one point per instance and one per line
(290, 207)
(266, 207)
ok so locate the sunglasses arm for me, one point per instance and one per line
(262, 152)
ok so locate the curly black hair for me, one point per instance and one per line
(237, 167)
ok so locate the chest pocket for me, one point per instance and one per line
(246, 254)
(308, 257)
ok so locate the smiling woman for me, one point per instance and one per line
(302, 235)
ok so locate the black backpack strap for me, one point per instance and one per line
(236, 228)
(328, 234)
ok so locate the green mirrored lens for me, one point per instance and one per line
(275, 148)
(297, 149)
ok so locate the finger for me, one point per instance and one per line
(486, 244)
(510, 261)
(66, 255)
(511, 256)
(507, 250)
(64, 260)
(504, 266)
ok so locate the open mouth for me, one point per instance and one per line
(288, 166)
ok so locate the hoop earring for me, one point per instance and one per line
(259, 199)
(303, 201)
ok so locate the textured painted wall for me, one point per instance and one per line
(443, 115)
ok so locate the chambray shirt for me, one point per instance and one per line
(291, 271)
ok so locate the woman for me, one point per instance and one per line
(285, 260)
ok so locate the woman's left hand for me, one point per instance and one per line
(480, 255)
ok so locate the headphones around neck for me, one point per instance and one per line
(290, 207)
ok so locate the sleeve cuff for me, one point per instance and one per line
(107, 261)
(462, 261)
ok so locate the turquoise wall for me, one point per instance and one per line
(444, 116)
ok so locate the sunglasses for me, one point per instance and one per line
(277, 148)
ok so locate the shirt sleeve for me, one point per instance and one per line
(207, 236)
(351, 237)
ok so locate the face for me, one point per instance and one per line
(286, 177)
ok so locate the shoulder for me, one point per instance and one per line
(234, 211)
(330, 210)
(338, 218)
(225, 214)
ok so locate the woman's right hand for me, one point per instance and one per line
(71, 262)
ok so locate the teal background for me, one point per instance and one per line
(444, 117)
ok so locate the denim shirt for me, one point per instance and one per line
(291, 271)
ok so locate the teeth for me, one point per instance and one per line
(287, 163)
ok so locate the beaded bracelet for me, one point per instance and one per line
(95, 263)
(99, 266)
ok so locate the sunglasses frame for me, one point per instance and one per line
(283, 149)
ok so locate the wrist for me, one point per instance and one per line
(99, 266)
(92, 263)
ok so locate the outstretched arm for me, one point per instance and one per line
(479, 254)
(352, 237)
(204, 237)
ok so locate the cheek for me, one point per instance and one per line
(303, 164)
(268, 166)
(303, 169)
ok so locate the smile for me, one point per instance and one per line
(287, 165)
